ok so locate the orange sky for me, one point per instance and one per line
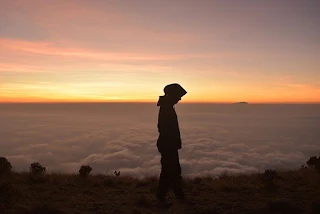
(118, 51)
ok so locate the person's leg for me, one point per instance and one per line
(164, 181)
(176, 176)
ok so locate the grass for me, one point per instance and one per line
(291, 192)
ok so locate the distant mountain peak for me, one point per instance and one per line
(241, 103)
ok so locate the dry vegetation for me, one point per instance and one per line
(271, 192)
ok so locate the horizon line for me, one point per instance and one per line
(151, 102)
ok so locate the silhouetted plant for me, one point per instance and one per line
(312, 161)
(84, 171)
(304, 167)
(37, 169)
(5, 166)
(116, 173)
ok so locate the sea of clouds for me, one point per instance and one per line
(216, 138)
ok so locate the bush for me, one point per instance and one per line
(84, 171)
(314, 162)
(116, 173)
(5, 166)
(37, 169)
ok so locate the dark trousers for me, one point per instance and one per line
(170, 176)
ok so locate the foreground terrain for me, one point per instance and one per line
(278, 192)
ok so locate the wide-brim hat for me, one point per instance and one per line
(175, 90)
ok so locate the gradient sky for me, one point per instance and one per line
(117, 50)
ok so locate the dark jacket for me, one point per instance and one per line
(168, 127)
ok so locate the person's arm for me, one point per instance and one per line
(164, 123)
(168, 128)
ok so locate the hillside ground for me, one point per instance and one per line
(288, 192)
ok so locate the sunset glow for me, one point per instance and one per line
(127, 51)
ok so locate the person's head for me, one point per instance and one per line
(174, 92)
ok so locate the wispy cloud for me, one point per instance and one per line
(199, 45)
(44, 48)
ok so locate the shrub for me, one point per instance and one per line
(5, 166)
(116, 173)
(303, 167)
(84, 171)
(312, 162)
(37, 169)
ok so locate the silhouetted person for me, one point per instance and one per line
(169, 142)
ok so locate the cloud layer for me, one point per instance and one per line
(216, 138)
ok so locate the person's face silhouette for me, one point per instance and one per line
(176, 100)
